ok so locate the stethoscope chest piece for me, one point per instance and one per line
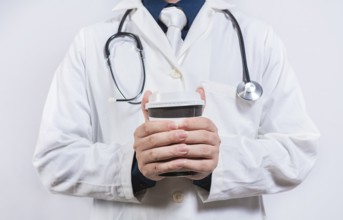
(249, 91)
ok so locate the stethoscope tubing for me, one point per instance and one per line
(139, 47)
(246, 74)
(243, 89)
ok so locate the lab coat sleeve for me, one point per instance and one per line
(284, 149)
(66, 157)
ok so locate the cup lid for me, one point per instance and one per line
(174, 99)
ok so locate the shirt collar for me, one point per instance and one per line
(190, 8)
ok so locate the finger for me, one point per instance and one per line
(145, 100)
(163, 154)
(200, 151)
(202, 137)
(201, 91)
(152, 127)
(197, 123)
(199, 165)
(155, 169)
(160, 139)
(198, 176)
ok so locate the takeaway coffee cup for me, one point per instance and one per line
(175, 106)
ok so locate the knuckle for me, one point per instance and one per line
(136, 144)
(139, 158)
(206, 120)
(211, 126)
(176, 150)
(173, 136)
(207, 136)
(173, 165)
(145, 172)
(153, 156)
(216, 152)
(214, 138)
(146, 128)
(157, 168)
(205, 151)
(141, 168)
(169, 166)
(211, 152)
(185, 123)
(151, 141)
(148, 171)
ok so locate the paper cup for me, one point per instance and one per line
(174, 105)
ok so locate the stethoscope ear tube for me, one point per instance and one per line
(139, 46)
(247, 90)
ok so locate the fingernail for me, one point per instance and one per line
(182, 163)
(173, 126)
(182, 124)
(182, 135)
(183, 148)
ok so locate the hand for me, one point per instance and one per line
(164, 146)
(202, 144)
(159, 146)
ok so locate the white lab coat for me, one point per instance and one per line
(85, 141)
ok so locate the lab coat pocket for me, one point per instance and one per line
(232, 115)
(122, 120)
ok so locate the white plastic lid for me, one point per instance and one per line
(174, 99)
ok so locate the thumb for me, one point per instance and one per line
(145, 100)
(201, 91)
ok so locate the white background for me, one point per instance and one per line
(35, 34)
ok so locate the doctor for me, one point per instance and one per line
(90, 146)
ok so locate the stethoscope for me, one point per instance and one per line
(247, 90)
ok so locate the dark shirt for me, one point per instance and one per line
(191, 9)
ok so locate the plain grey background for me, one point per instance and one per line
(35, 34)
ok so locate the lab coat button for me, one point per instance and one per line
(178, 197)
(175, 74)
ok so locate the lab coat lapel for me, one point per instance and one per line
(148, 27)
(151, 31)
(202, 22)
(199, 27)
(127, 4)
(153, 34)
(219, 4)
